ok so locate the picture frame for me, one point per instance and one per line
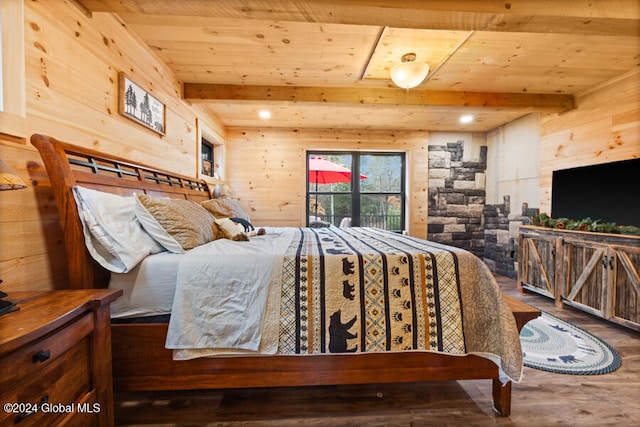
(137, 104)
(207, 168)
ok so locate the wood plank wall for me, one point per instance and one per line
(266, 169)
(605, 127)
(72, 63)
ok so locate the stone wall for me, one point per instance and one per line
(456, 197)
(501, 236)
(459, 215)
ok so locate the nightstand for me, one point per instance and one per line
(55, 359)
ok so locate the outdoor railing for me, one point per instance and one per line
(385, 222)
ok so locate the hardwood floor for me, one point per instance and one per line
(541, 399)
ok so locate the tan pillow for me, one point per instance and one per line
(225, 208)
(186, 223)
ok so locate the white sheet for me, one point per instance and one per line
(235, 306)
(148, 288)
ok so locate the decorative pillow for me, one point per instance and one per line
(176, 224)
(225, 208)
(112, 233)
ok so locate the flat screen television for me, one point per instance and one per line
(609, 192)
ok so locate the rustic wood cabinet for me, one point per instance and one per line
(537, 261)
(55, 359)
(595, 272)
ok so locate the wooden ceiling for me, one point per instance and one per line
(325, 63)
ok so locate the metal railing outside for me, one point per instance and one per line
(385, 222)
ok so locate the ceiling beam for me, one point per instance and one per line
(597, 17)
(382, 96)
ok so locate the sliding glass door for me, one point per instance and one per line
(356, 189)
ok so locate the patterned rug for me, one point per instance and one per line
(551, 344)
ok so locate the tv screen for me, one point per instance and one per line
(608, 192)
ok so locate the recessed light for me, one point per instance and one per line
(467, 118)
(264, 114)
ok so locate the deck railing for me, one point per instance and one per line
(385, 222)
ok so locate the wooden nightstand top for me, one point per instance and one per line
(44, 311)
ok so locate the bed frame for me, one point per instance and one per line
(140, 361)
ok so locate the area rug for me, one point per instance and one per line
(551, 344)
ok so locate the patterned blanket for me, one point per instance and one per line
(331, 290)
(363, 290)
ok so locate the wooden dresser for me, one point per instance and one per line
(55, 359)
(594, 272)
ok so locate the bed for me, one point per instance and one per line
(141, 362)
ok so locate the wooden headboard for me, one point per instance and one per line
(70, 165)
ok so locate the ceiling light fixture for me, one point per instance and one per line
(467, 118)
(264, 114)
(409, 73)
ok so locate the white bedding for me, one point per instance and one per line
(241, 312)
(148, 288)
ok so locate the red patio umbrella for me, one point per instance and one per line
(322, 171)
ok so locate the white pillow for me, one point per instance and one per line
(112, 233)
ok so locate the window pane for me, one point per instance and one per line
(384, 173)
(330, 172)
(331, 208)
(381, 211)
(207, 152)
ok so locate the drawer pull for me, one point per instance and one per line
(41, 356)
(21, 416)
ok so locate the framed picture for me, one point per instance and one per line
(140, 106)
(207, 167)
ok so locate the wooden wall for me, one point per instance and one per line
(266, 169)
(72, 64)
(605, 127)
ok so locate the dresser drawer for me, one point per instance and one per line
(65, 381)
(86, 417)
(34, 357)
